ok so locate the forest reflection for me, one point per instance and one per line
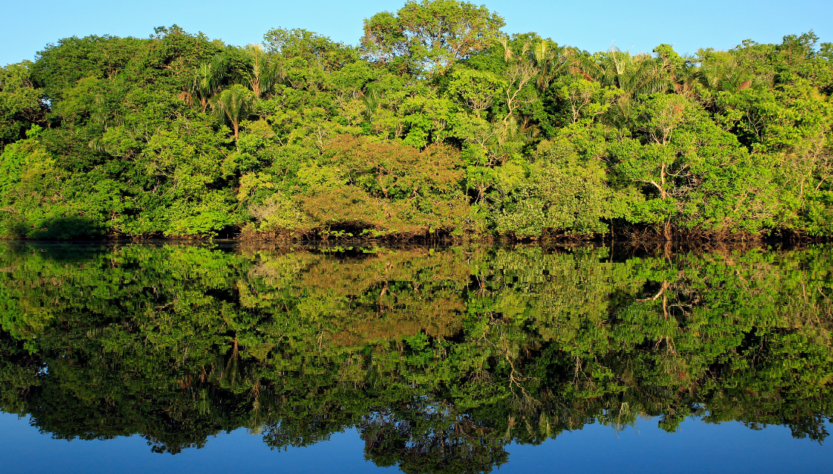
(438, 357)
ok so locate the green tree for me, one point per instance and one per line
(266, 71)
(234, 104)
(206, 83)
(20, 104)
(428, 37)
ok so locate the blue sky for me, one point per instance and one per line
(593, 25)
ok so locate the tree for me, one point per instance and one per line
(551, 61)
(234, 104)
(475, 89)
(265, 72)
(447, 125)
(724, 71)
(20, 104)
(428, 37)
(634, 75)
(206, 83)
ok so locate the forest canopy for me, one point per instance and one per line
(435, 124)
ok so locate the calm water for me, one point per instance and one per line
(219, 358)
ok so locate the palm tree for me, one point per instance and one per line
(265, 70)
(686, 77)
(551, 61)
(681, 71)
(234, 104)
(206, 83)
(723, 71)
(634, 75)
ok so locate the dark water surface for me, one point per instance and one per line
(220, 358)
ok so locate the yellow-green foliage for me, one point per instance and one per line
(435, 123)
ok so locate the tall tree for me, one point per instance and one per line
(428, 37)
(206, 83)
(20, 104)
(234, 104)
(266, 70)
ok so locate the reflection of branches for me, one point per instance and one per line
(661, 292)
(515, 376)
(513, 380)
(444, 402)
(430, 437)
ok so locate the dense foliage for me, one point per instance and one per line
(438, 357)
(435, 124)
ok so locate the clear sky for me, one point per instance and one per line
(594, 25)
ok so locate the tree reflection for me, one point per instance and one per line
(439, 357)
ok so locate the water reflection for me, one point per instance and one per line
(439, 357)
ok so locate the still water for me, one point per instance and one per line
(213, 358)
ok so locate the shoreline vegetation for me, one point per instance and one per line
(436, 126)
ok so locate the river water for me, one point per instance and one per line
(169, 357)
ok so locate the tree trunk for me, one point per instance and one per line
(663, 194)
(662, 182)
